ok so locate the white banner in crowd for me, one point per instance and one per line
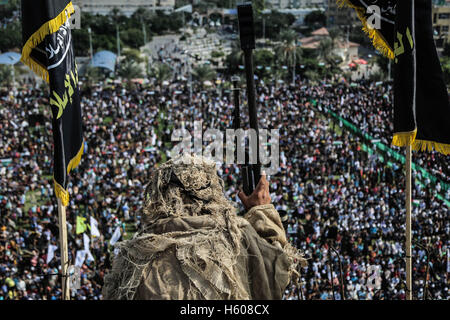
(79, 260)
(89, 256)
(75, 278)
(94, 227)
(86, 241)
(87, 251)
(51, 252)
(115, 237)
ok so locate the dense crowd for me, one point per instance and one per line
(368, 106)
(333, 192)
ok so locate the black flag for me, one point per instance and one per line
(48, 51)
(421, 103)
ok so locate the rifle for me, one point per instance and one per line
(251, 173)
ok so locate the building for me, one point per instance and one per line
(441, 23)
(279, 4)
(296, 4)
(127, 7)
(347, 50)
(343, 16)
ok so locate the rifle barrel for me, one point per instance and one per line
(252, 112)
(237, 117)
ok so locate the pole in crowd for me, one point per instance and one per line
(408, 225)
(341, 273)
(63, 251)
(295, 62)
(251, 172)
(144, 31)
(427, 269)
(188, 62)
(118, 41)
(43, 33)
(13, 75)
(330, 264)
(264, 28)
(236, 93)
(91, 51)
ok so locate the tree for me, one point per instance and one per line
(312, 75)
(235, 58)
(161, 72)
(259, 5)
(81, 42)
(288, 49)
(332, 61)
(383, 63)
(130, 70)
(445, 63)
(203, 73)
(316, 19)
(217, 54)
(325, 49)
(133, 38)
(275, 22)
(5, 75)
(264, 57)
(8, 9)
(129, 66)
(11, 36)
(335, 34)
(446, 51)
(93, 74)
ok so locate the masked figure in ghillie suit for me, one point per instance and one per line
(193, 245)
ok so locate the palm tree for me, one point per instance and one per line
(325, 49)
(288, 36)
(235, 58)
(129, 69)
(288, 49)
(203, 73)
(289, 53)
(147, 54)
(5, 75)
(161, 72)
(93, 74)
(335, 34)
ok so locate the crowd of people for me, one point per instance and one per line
(368, 106)
(336, 196)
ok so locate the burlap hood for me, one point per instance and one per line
(194, 246)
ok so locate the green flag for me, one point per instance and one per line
(81, 225)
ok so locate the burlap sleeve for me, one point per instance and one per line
(267, 223)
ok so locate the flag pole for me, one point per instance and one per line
(408, 225)
(63, 252)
